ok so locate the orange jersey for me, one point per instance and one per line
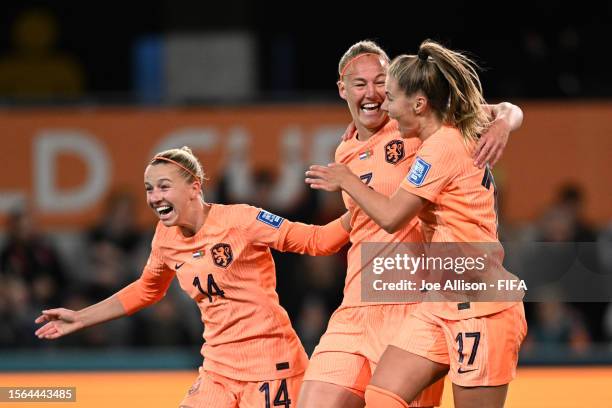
(461, 196)
(381, 162)
(461, 205)
(228, 270)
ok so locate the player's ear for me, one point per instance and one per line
(196, 189)
(341, 89)
(420, 104)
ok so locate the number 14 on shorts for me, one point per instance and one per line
(281, 399)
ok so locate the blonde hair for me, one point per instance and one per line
(449, 81)
(189, 165)
(357, 49)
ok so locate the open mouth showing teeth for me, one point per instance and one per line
(369, 107)
(163, 210)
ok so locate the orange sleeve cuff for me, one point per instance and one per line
(314, 239)
(147, 290)
(131, 299)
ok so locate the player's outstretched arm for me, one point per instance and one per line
(147, 290)
(60, 322)
(506, 118)
(317, 240)
(390, 213)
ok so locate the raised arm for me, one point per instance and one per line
(506, 118)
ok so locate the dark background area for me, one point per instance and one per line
(528, 49)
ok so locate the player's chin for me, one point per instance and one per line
(407, 133)
(169, 223)
(168, 220)
(374, 121)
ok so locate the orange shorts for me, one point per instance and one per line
(481, 351)
(212, 390)
(355, 339)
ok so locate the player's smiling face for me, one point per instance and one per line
(400, 107)
(363, 88)
(168, 193)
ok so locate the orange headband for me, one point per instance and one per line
(176, 163)
(355, 59)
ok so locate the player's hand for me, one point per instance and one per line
(349, 132)
(60, 322)
(328, 178)
(492, 143)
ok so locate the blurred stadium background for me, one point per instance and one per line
(89, 91)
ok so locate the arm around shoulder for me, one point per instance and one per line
(505, 111)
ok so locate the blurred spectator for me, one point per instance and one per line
(571, 199)
(608, 322)
(557, 324)
(604, 243)
(29, 257)
(34, 68)
(16, 312)
(556, 225)
(563, 222)
(170, 323)
(318, 284)
(113, 246)
(118, 226)
(31, 277)
(312, 322)
(284, 192)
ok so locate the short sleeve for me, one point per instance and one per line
(433, 169)
(262, 227)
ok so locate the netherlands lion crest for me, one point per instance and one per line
(394, 151)
(222, 255)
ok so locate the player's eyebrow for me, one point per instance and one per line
(149, 183)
